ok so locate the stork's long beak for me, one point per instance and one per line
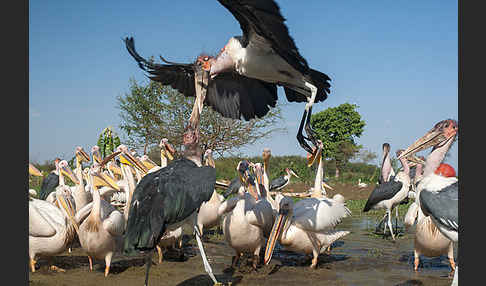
(34, 171)
(416, 160)
(275, 235)
(431, 138)
(81, 155)
(311, 158)
(324, 185)
(293, 173)
(102, 179)
(68, 172)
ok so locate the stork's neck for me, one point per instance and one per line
(317, 191)
(386, 167)
(194, 153)
(436, 157)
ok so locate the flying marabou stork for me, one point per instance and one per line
(245, 74)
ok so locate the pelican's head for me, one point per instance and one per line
(442, 133)
(208, 155)
(66, 170)
(247, 179)
(166, 149)
(267, 153)
(100, 179)
(149, 164)
(285, 211)
(127, 158)
(34, 171)
(95, 152)
(81, 155)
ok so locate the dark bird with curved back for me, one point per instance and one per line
(166, 199)
(245, 74)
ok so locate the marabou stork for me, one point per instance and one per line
(168, 198)
(438, 195)
(50, 182)
(281, 182)
(245, 74)
(389, 194)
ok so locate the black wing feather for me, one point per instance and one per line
(164, 197)
(49, 185)
(442, 206)
(233, 187)
(384, 191)
(264, 18)
(277, 183)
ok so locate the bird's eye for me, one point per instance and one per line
(206, 59)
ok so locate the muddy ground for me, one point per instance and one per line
(360, 258)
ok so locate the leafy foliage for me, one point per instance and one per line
(107, 141)
(150, 112)
(336, 127)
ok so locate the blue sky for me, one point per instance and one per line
(397, 60)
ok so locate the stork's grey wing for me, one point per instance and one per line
(442, 206)
(178, 76)
(49, 185)
(277, 183)
(233, 187)
(262, 19)
(384, 191)
(235, 96)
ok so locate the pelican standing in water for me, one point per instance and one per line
(308, 225)
(242, 225)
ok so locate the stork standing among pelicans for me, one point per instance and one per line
(389, 194)
(245, 74)
(167, 199)
(308, 225)
(34, 172)
(281, 182)
(50, 182)
(438, 195)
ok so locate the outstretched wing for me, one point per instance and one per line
(230, 94)
(262, 19)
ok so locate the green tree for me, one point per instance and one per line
(336, 127)
(151, 111)
(108, 141)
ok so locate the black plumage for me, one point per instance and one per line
(261, 21)
(233, 187)
(384, 191)
(442, 206)
(49, 185)
(165, 197)
(232, 95)
(278, 183)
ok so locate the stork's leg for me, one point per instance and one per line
(455, 281)
(300, 137)
(148, 263)
(235, 259)
(207, 267)
(53, 267)
(396, 219)
(308, 108)
(390, 224)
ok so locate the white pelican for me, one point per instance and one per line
(437, 223)
(81, 196)
(63, 169)
(51, 229)
(101, 236)
(208, 212)
(242, 224)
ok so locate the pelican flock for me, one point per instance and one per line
(127, 205)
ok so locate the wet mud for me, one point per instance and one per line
(360, 258)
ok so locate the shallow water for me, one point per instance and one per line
(360, 258)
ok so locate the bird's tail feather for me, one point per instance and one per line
(143, 230)
(143, 63)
